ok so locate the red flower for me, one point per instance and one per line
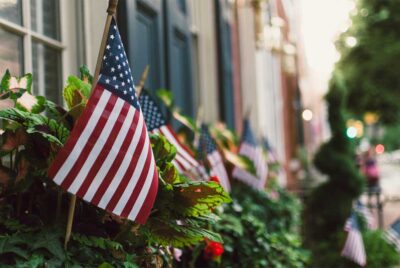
(215, 179)
(213, 250)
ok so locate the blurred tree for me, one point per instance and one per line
(330, 204)
(370, 52)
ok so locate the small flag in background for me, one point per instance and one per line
(208, 149)
(393, 234)
(249, 148)
(354, 247)
(272, 158)
(366, 214)
(108, 159)
(156, 123)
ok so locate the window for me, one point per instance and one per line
(30, 41)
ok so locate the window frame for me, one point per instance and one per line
(29, 36)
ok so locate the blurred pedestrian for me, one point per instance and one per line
(370, 169)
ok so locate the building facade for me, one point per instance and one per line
(232, 58)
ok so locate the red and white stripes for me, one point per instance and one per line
(354, 248)
(255, 154)
(217, 168)
(184, 161)
(108, 159)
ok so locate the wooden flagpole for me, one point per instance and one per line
(112, 8)
(248, 113)
(199, 120)
(142, 81)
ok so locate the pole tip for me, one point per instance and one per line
(112, 7)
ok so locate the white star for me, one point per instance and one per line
(126, 72)
(125, 92)
(116, 86)
(108, 47)
(119, 46)
(123, 63)
(132, 97)
(114, 78)
(129, 81)
(112, 36)
(119, 66)
(121, 55)
(104, 57)
(112, 69)
(116, 57)
(108, 81)
(115, 27)
(120, 75)
(130, 89)
(123, 84)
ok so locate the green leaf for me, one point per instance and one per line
(76, 92)
(86, 75)
(36, 123)
(199, 198)
(130, 262)
(170, 174)
(166, 97)
(16, 84)
(5, 82)
(50, 241)
(169, 233)
(30, 103)
(34, 261)
(105, 265)
(96, 242)
(11, 244)
(163, 150)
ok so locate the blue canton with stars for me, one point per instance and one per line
(151, 111)
(206, 144)
(352, 222)
(248, 136)
(115, 74)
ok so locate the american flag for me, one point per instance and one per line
(354, 247)
(108, 160)
(393, 234)
(208, 150)
(184, 160)
(272, 158)
(249, 148)
(366, 214)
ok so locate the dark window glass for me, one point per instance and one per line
(45, 17)
(46, 71)
(11, 10)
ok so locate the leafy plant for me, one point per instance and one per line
(257, 231)
(330, 204)
(33, 209)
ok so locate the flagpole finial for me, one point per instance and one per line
(112, 7)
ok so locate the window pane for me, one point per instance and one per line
(11, 10)
(10, 53)
(45, 17)
(46, 71)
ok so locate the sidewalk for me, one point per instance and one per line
(389, 168)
